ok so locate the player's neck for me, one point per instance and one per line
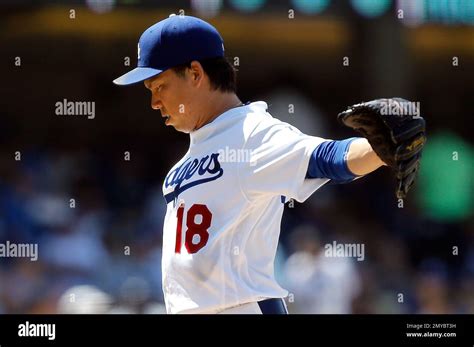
(217, 104)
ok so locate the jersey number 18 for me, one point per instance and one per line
(193, 228)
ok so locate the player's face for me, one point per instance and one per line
(175, 97)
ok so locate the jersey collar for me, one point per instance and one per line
(223, 120)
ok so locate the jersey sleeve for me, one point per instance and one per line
(279, 157)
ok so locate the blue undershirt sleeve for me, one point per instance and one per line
(329, 160)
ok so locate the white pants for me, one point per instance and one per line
(275, 306)
(250, 308)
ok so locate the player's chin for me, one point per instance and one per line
(180, 128)
(169, 123)
(176, 124)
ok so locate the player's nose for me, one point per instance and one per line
(156, 103)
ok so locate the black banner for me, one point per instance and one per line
(327, 330)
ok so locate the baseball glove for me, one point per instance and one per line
(396, 132)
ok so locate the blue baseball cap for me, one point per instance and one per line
(173, 41)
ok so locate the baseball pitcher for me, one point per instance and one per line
(223, 216)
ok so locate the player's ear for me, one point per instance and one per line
(196, 73)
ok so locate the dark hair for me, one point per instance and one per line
(222, 74)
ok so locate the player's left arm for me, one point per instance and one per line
(361, 158)
(344, 160)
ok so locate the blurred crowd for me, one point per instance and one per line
(98, 226)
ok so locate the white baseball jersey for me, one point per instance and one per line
(225, 200)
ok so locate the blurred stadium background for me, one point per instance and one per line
(308, 59)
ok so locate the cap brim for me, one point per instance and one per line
(138, 74)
